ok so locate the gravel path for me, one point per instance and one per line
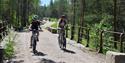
(49, 51)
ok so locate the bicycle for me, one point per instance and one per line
(61, 38)
(34, 39)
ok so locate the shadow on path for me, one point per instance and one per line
(40, 54)
(68, 51)
(20, 61)
(49, 61)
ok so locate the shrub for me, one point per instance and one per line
(9, 50)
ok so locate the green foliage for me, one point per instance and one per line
(96, 27)
(91, 19)
(9, 50)
(18, 11)
(53, 19)
(55, 9)
(54, 25)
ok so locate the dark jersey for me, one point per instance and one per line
(35, 25)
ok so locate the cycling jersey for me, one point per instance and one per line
(35, 25)
(62, 23)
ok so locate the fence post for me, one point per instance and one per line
(72, 32)
(88, 37)
(67, 31)
(1, 54)
(101, 42)
(121, 42)
(2, 30)
(79, 35)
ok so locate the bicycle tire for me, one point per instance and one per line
(59, 41)
(34, 45)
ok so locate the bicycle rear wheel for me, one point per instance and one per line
(34, 46)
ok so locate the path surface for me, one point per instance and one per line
(49, 51)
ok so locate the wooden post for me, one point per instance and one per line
(101, 42)
(88, 37)
(1, 54)
(121, 42)
(115, 23)
(67, 31)
(79, 35)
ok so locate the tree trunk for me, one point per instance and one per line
(115, 23)
(73, 21)
(80, 32)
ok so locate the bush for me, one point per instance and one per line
(54, 30)
(54, 25)
(9, 50)
(53, 19)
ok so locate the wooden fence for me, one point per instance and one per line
(3, 29)
(104, 38)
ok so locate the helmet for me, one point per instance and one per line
(35, 17)
(63, 16)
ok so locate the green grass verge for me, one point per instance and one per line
(9, 48)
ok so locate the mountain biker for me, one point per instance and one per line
(62, 21)
(35, 24)
(61, 25)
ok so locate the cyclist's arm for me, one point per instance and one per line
(58, 26)
(39, 25)
(30, 26)
(65, 24)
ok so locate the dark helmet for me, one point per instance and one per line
(63, 16)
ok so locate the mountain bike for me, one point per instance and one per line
(34, 39)
(61, 38)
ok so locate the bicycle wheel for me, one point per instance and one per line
(64, 42)
(59, 41)
(31, 42)
(34, 46)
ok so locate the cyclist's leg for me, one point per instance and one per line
(31, 40)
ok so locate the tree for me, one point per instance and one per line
(81, 23)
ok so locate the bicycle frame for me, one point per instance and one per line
(34, 39)
(61, 38)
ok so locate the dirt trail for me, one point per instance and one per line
(49, 51)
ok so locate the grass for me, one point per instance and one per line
(9, 47)
(9, 50)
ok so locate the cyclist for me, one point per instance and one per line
(61, 26)
(35, 25)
